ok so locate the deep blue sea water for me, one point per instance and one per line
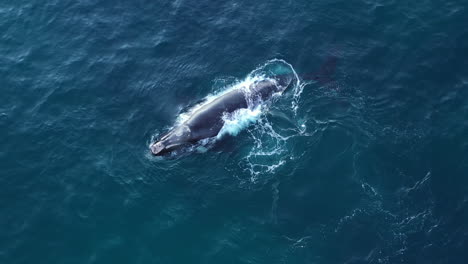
(369, 165)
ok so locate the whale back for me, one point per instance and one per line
(207, 121)
(266, 88)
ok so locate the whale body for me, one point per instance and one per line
(207, 121)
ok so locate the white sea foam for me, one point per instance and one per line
(237, 121)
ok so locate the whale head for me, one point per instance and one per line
(157, 148)
(175, 139)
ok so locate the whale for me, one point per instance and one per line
(207, 121)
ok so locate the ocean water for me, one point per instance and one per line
(366, 163)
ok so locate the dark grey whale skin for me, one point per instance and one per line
(207, 121)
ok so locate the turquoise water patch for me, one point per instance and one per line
(362, 160)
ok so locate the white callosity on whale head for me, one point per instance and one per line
(157, 147)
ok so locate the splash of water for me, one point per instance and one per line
(269, 151)
(237, 121)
